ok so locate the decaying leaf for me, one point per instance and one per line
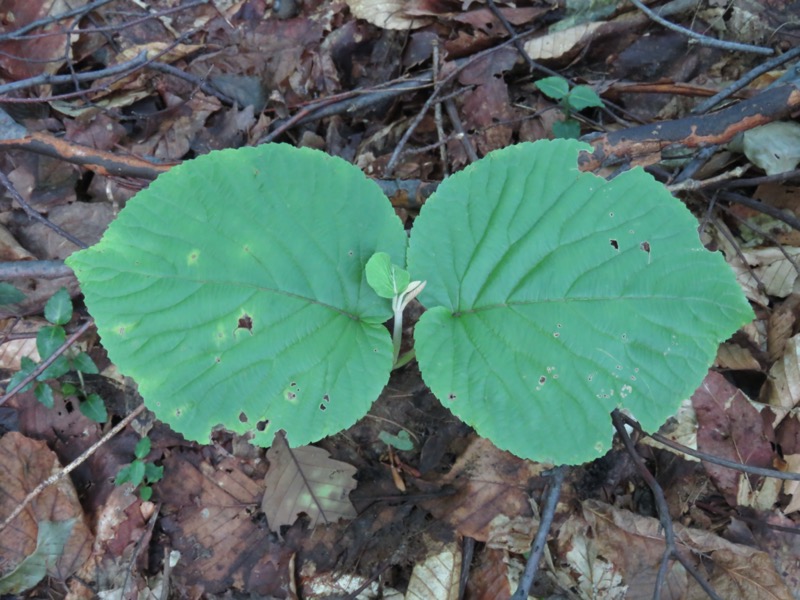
(24, 464)
(784, 377)
(606, 552)
(306, 480)
(387, 14)
(437, 576)
(775, 269)
(492, 503)
(557, 44)
(729, 426)
(775, 147)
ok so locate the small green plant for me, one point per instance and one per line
(250, 289)
(58, 311)
(141, 474)
(401, 441)
(577, 99)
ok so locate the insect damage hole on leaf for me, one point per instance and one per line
(262, 425)
(245, 322)
(614, 244)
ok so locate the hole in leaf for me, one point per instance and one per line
(217, 359)
(323, 407)
(69, 406)
(326, 398)
(262, 425)
(451, 396)
(242, 417)
(614, 244)
(556, 334)
(611, 214)
(645, 246)
(542, 379)
(245, 322)
(292, 384)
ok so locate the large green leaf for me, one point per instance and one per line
(233, 291)
(555, 296)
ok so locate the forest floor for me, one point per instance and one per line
(97, 98)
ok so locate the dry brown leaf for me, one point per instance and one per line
(24, 464)
(734, 357)
(558, 43)
(22, 58)
(611, 553)
(774, 269)
(388, 14)
(493, 575)
(781, 326)
(492, 501)
(792, 488)
(306, 480)
(784, 377)
(12, 351)
(438, 576)
(731, 427)
(211, 519)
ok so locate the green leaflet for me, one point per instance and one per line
(555, 296)
(233, 291)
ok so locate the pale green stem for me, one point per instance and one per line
(397, 330)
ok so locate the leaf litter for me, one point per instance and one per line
(208, 534)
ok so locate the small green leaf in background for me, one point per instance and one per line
(567, 130)
(132, 473)
(145, 493)
(58, 309)
(142, 448)
(49, 339)
(388, 280)
(44, 394)
(401, 441)
(27, 366)
(51, 537)
(553, 87)
(9, 294)
(273, 237)
(584, 295)
(94, 408)
(153, 473)
(83, 363)
(583, 96)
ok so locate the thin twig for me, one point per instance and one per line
(743, 81)
(71, 466)
(671, 549)
(532, 64)
(434, 97)
(46, 79)
(42, 366)
(20, 33)
(540, 541)
(722, 462)
(455, 119)
(703, 40)
(35, 215)
(24, 269)
(437, 112)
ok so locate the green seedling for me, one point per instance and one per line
(58, 311)
(250, 289)
(401, 441)
(141, 474)
(577, 99)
